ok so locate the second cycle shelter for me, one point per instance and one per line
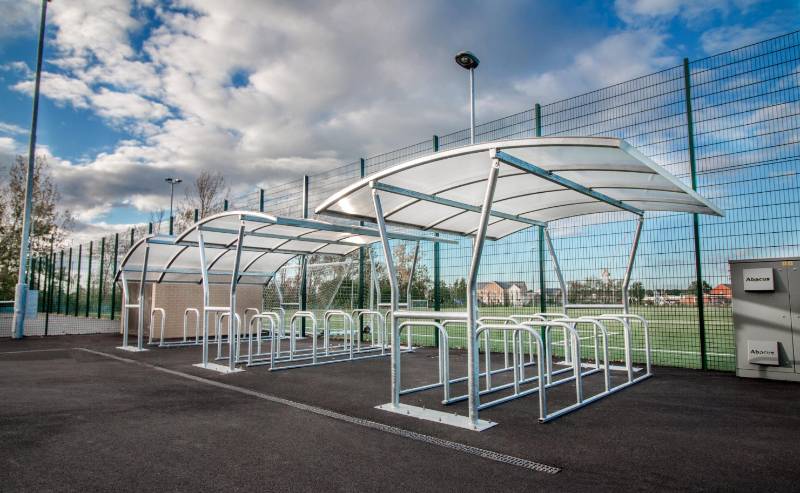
(489, 191)
(236, 248)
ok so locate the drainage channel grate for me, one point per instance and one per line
(412, 435)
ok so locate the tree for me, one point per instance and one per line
(403, 259)
(637, 291)
(157, 219)
(205, 194)
(693, 287)
(49, 221)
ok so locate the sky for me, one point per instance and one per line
(134, 91)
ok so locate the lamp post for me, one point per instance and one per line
(469, 61)
(21, 292)
(172, 182)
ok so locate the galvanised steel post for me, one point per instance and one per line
(361, 266)
(100, 273)
(472, 294)
(472, 106)
(304, 260)
(113, 274)
(437, 271)
(89, 281)
(701, 317)
(21, 292)
(393, 299)
(78, 282)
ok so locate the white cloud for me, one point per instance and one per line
(19, 17)
(617, 58)
(10, 128)
(692, 11)
(9, 148)
(322, 83)
(725, 38)
(60, 88)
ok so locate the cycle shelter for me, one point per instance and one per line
(240, 248)
(489, 191)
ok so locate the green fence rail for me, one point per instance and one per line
(728, 124)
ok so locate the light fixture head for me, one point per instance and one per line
(467, 60)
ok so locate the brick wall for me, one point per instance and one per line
(176, 298)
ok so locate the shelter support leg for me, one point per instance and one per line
(472, 301)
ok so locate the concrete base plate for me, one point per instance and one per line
(132, 349)
(437, 416)
(225, 369)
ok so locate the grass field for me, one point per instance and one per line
(674, 335)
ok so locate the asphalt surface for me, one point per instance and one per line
(74, 420)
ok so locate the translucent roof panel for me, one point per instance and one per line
(539, 180)
(269, 242)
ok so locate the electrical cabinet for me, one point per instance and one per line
(766, 317)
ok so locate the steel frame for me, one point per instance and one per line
(517, 328)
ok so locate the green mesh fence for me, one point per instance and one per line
(728, 124)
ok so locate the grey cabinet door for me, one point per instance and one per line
(766, 313)
(794, 295)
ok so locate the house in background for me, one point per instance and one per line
(720, 294)
(514, 293)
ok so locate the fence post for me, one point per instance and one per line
(196, 215)
(362, 254)
(701, 318)
(437, 271)
(304, 260)
(100, 273)
(60, 280)
(78, 282)
(50, 285)
(113, 274)
(261, 200)
(89, 280)
(150, 228)
(225, 205)
(537, 120)
(69, 281)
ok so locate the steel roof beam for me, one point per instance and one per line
(564, 182)
(450, 203)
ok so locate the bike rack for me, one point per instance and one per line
(185, 341)
(259, 317)
(233, 339)
(153, 312)
(347, 331)
(444, 358)
(624, 319)
(377, 329)
(196, 323)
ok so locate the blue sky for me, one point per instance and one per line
(136, 90)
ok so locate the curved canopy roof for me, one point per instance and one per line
(540, 180)
(268, 243)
